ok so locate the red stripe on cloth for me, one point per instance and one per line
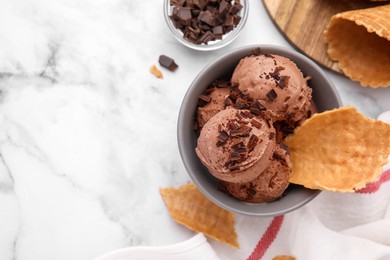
(375, 186)
(267, 238)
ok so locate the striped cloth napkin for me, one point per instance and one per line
(332, 226)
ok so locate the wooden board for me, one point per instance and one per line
(303, 22)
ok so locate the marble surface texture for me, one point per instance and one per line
(88, 135)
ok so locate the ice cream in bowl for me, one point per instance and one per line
(233, 122)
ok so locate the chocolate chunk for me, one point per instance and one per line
(251, 191)
(205, 98)
(271, 136)
(167, 62)
(199, 4)
(222, 84)
(217, 30)
(283, 81)
(177, 2)
(228, 102)
(207, 18)
(235, 9)
(277, 157)
(183, 14)
(275, 75)
(206, 37)
(229, 22)
(223, 7)
(272, 95)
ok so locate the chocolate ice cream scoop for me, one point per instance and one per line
(269, 185)
(276, 82)
(235, 145)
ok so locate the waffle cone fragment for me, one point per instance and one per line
(360, 41)
(338, 150)
(189, 207)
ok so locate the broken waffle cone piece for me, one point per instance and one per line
(156, 72)
(360, 41)
(338, 150)
(189, 207)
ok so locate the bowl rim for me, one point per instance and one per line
(189, 93)
(230, 37)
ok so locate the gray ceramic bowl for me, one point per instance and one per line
(325, 97)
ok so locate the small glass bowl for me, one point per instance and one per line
(211, 45)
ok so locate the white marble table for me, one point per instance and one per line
(88, 135)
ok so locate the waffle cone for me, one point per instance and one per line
(189, 207)
(360, 41)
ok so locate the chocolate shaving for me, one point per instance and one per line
(268, 124)
(238, 145)
(246, 114)
(241, 104)
(253, 140)
(209, 90)
(234, 168)
(283, 146)
(242, 131)
(232, 125)
(268, 55)
(223, 136)
(256, 123)
(235, 156)
(255, 111)
(277, 157)
(241, 150)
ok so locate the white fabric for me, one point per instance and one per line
(332, 226)
(194, 248)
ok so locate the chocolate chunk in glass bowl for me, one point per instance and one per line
(202, 21)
